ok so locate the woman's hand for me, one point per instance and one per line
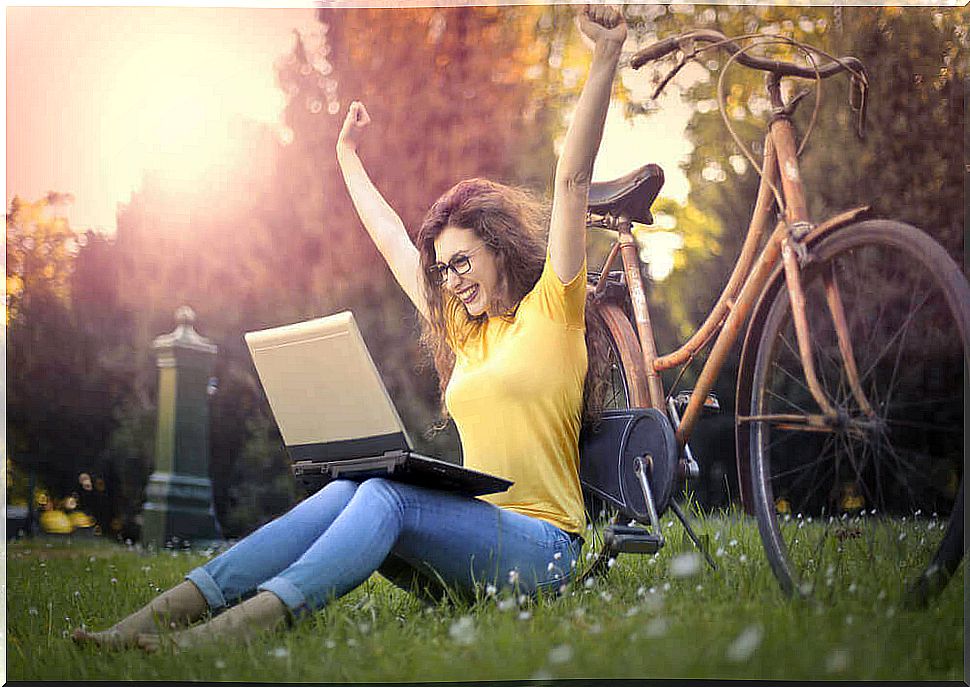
(602, 24)
(355, 121)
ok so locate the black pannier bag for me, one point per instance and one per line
(606, 463)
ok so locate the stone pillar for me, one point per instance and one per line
(179, 494)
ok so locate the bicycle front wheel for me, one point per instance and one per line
(874, 496)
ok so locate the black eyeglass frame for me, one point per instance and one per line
(460, 264)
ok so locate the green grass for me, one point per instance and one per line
(640, 622)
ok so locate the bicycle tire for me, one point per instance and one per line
(626, 383)
(840, 499)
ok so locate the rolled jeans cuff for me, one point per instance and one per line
(207, 586)
(294, 600)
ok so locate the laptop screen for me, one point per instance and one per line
(325, 392)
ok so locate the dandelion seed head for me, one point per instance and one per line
(490, 590)
(685, 565)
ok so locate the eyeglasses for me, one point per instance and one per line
(438, 272)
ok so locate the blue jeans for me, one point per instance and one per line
(416, 537)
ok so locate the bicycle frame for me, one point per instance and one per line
(787, 244)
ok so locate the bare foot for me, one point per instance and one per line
(107, 639)
(151, 643)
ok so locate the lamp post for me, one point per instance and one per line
(179, 493)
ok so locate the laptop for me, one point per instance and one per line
(335, 415)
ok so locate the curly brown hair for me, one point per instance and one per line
(513, 223)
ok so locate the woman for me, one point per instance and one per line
(490, 292)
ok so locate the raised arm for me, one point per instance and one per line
(379, 219)
(606, 30)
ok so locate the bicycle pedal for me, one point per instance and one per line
(711, 405)
(625, 539)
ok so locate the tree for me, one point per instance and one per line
(58, 396)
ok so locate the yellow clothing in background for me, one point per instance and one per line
(516, 395)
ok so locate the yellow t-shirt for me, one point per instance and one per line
(516, 395)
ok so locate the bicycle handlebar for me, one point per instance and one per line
(668, 45)
(858, 87)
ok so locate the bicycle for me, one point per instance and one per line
(849, 431)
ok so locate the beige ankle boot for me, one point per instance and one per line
(180, 605)
(243, 622)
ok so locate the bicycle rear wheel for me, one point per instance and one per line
(875, 496)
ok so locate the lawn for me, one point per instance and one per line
(663, 616)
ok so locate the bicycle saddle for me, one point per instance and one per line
(630, 196)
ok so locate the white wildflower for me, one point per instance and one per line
(743, 558)
(490, 590)
(561, 653)
(279, 652)
(114, 580)
(462, 631)
(610, 563)
(330, 644)
(220, 664)
(720, 552)
(852, 588)
(745, 644)
(837, 661)
(513, 576)
(606, 596)
(589, 583)
(525, 615)
(657, 627)
(557, 555)
(551, 566)
(505, 604)
(666, 586)
(685, 565)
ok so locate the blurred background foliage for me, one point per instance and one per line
(453, 93)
